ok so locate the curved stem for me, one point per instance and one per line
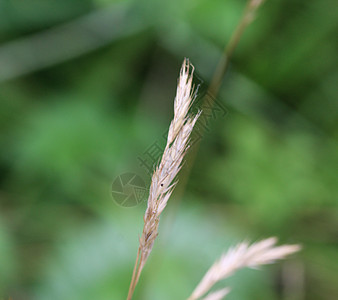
(133, 282)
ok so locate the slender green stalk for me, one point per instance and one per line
(248, 16)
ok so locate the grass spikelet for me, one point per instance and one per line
(243, 255)
(162, 182)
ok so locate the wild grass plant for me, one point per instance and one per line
(161, 187)
(164, 180)
(162, 183)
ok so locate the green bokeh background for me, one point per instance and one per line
(87, 86)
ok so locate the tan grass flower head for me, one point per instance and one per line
(241, 256)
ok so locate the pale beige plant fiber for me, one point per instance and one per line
(162, 182)
(241, 256)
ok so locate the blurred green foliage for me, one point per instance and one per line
(72, 121)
